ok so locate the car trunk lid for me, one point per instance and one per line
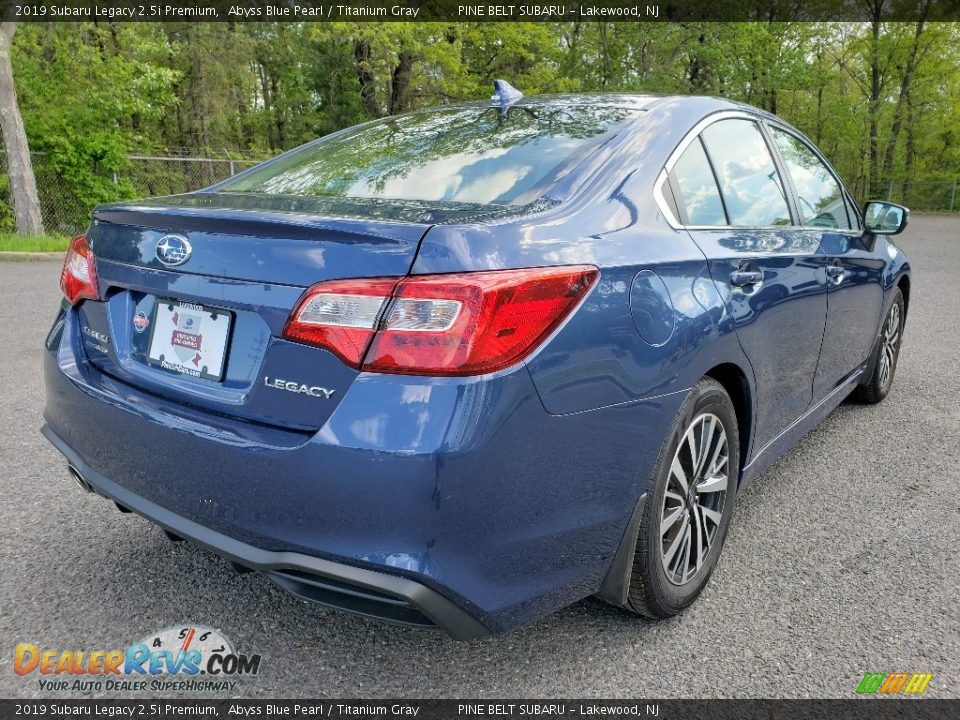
(207, 332)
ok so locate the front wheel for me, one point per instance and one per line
(877, 384)
(690, 502)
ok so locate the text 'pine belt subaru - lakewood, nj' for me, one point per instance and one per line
(462, 367)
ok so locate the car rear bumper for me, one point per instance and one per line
(459, 503)
(360, 591)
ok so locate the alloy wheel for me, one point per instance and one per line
(890, 346)
(693, 501)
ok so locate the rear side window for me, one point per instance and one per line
(698, 187)
(819, 198)
(752, 189)
(475, 155)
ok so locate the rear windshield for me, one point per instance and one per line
(464, 155)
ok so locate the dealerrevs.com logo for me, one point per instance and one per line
(187, 658)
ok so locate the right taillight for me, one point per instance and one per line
(78, 280)
(457, 324)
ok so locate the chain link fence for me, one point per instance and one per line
(926, 195)
(65, 202)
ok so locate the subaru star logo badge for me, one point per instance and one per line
(173, 250)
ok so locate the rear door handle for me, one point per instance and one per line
(744, 278)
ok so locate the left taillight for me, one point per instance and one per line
(79, 277)
(456, 324)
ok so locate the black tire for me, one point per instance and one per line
(652, 591)
(883, 363)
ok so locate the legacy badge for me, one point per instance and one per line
(299, 388)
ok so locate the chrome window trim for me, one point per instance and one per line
(693, 134)
(662, 203)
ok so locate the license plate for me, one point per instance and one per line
(189, 339)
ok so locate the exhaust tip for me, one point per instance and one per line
(78, 478)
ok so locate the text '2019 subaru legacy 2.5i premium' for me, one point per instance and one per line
(463, 367)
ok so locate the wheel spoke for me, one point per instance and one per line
(691, 440)
(673, 496)
(718, 467)
(703, 524)
(676, 544)
(669, 520)
(710, 514)
(706, 442)
(712, 484)
(685, 562)
(712, 467)
(676, 471)
(703, 536)
(886, 365)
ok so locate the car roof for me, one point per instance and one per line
(633, 101)
(629, 101)
(699, 106)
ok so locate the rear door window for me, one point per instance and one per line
(698, 187)
(819, 198)
(753, 191)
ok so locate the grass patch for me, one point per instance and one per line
(42, 243)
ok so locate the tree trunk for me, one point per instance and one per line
(605, 50)
(280, 118)
(696, 74)
(267, 101)
(401, 91)
(368, 92)
(23, 185)
(910, 153)
(873, 108)
(819, 131)
(908, 71)
(198, 111)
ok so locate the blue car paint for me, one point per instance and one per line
(510, 494)
(780, 325)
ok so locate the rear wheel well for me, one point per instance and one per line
(735, 383)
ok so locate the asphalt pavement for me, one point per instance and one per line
(842, 559)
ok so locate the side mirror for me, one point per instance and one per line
(885, 218)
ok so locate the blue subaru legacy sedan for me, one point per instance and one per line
(460, 368)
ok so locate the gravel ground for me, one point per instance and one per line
(841, 560)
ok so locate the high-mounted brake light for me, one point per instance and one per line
(457, 324)
(78, 280)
